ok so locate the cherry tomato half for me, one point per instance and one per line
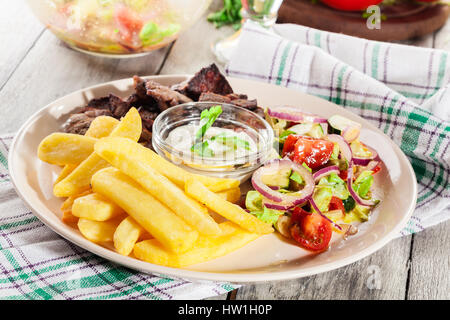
(312, 232)
(313, 152)
(289, 144)
(336, 204)
(351, 5)
(298, 214)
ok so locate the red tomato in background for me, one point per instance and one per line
(313, 152)
(351, 5)
(311, 231)
(129, 25)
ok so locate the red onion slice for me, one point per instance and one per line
(372, 165)
(351, 133)
(365, 161)
(324, 128)
(283, 206)
(283, 199)
(325, 172)
(353, 193)
(316, 208)
(291, 113)
(344, 148)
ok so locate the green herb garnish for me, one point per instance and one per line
(229, 14)
(202, 149)
(233, 141)
(207, 118)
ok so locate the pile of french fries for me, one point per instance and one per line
(119, 191)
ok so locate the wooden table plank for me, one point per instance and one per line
(192, 50)
(430, 264)
(382, 275)
(19, 30)
(51, 70)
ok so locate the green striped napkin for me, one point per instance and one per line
(403, 90)
(36, 263)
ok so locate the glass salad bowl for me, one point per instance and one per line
(118, 28)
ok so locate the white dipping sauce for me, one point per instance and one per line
(182, 138)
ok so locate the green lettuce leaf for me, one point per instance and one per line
(363, 183)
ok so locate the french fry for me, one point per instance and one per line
(78, 180)
(226, 209)
(98, 231)
(67, 204)
(205, 248)
(95, 207)
(145, 236)
(127, 155)
(65, 148)
(100, 127)
(68, 168)
(126, 235)
(178, 175)
(171, 231)
(69, 218)
(231, 195)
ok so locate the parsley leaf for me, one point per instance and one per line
(207, 118)
(229, 14)
(202, 149)
(232, 140)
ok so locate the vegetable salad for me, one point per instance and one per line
(322, 181)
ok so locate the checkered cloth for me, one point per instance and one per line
(36, 263)
(402, 90)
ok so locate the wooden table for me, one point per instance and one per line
(36, 68)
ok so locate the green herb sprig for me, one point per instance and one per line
(207, 118)
(229, 15)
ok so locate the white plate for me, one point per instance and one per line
(267, 258)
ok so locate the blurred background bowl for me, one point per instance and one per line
(118, 28)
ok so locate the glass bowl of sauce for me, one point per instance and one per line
(213, 139)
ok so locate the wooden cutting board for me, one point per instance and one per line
(403, 21)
